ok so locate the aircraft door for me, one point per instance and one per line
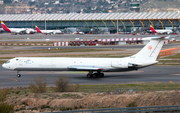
(20, 62)
(115, 63)
(119, 64)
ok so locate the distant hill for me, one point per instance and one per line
(160, 5)
(84, 6)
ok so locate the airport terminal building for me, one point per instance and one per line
(95, 22)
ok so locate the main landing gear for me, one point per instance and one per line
(18, 75)
(95, 75)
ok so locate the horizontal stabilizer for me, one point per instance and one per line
(141, 64)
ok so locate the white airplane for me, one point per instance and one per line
(81, 33)
(17, 30)
(47, 31)
(145, 57)
(1, 30)
(160, 31)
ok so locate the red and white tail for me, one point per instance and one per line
(5, 28)
(37, 29)
(152, 29)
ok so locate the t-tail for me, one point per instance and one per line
(152, 29)
(5, 28)
(37, 29)
(149, 53)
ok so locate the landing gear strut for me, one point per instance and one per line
(89, 75)
(18, 75)
(95, 75)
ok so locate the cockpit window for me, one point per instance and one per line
(7, 62)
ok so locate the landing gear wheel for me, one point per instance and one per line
(18, 75)
(89, 76)
(101, 75)
(95, 75)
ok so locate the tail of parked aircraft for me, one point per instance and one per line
(37, 29)
(5, 28)
(152, 29)
(151, 50)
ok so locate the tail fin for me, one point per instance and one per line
(5, 28)
(151, 50)
(152, 29)
(37, 29)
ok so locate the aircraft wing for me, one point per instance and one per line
(86, 68)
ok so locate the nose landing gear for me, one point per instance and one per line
(18, 75)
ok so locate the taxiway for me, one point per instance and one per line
(154, 74)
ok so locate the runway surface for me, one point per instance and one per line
(100, 47)
(67, 37)
(153, 74)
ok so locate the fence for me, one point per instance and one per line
(168, 52)
(167, 109)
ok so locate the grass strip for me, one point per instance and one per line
(169, 62)
(52, 51)
(140, 87)
(113, 87)
(3, 61)
(177, 56)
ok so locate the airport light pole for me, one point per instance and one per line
(73, 7)
(45, 13)
(32, 19)
(117, 27)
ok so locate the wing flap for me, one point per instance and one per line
(86, 68)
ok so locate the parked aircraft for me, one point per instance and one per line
(160, 31)
(81, 33)
(145, 57)
(1, 30)
(47, 31)
(17, 30)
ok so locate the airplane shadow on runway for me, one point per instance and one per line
(111, 76)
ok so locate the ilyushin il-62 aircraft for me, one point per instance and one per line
(145, 57)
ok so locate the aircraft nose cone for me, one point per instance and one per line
(4, 66)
